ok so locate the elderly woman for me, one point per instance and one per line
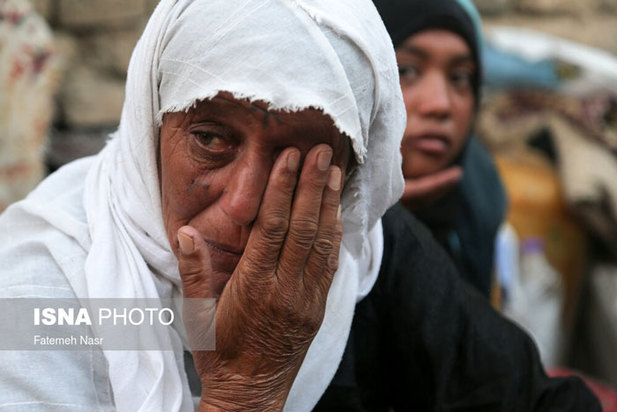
(257, 152)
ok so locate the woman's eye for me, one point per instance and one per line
(408, 73)
(212, 141)
(462, 79)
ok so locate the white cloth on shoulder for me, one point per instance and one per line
(293, 54)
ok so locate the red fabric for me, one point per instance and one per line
(606, 395)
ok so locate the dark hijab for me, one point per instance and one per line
(404, 18)
(465, 221)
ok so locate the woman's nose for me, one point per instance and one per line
(434, 98)
(245, 189)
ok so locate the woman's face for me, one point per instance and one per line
(436, 68)
(215, 162)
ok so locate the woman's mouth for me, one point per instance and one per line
(224, 258)
(226, 249)
(431, 144)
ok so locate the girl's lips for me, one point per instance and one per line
(432, 145)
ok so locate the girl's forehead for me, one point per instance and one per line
(435, 39)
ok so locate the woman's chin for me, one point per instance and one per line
(420, 166)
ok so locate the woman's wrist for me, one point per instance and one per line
(243, 400)
(234, 393)
(210, 405)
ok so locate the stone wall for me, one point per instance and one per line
(97, 37)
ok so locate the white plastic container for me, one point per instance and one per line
(536, 301)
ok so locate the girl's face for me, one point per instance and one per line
(437, 69)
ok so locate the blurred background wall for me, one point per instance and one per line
(95, 38)
(592, 22)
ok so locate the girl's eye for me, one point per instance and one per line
(462, 79)
(408, 73)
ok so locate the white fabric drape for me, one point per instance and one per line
(331, 55)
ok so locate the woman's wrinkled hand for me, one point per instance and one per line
(272, 306)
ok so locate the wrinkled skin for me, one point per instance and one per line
(436, 68)
(251, 205)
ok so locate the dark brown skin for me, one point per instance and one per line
(251, 204)
(436, 70)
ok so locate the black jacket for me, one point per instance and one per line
(422, 340)
(465, 221)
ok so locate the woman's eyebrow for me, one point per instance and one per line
(424, 54)
(463, 59)
(418, 51)
(266, 118)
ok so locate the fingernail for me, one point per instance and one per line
(187, 246)
(323, 159)
(293, 161)
(334, 179)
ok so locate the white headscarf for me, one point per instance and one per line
(294, 54)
